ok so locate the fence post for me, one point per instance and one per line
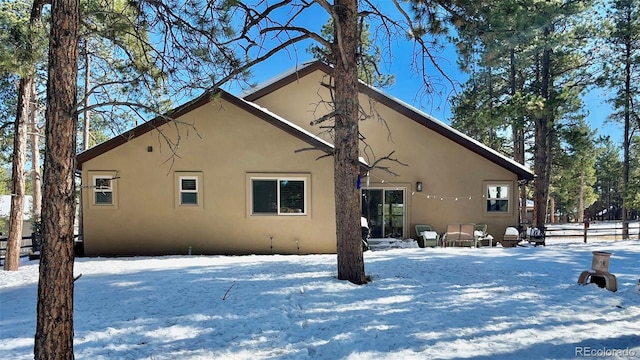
(586, 227)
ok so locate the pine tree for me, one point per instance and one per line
(608, 170)
(574, 169)
(54, 328)
(621, 71)
(526, 57)
(26, 38)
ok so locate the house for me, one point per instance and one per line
(5, 212)
(228, 177)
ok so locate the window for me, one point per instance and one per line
(188, 190)
(102, 190)
(278, 196)
(498, 198)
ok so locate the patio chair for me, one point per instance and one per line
(426, 236)
(511, 237)
(461, 235)
(483, 236)
(537, 235)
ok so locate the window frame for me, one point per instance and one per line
(179, 190)
(97, 190)
(278, 179)
(507, 197)
(182, 190)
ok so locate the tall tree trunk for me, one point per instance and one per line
(346, 163)
(627, 136)
(36, 179)
(16, 216)
(85, 113)
(543, 140)
(517, 128)
(54, 328)
(85, 129)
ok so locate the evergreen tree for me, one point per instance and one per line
(527, 55)
(632, 200)
(26, 34)
(621, 72)
(608, 170)
(575, 174)
(369, 57)
(54, 327)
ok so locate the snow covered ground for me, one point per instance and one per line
(451, 303)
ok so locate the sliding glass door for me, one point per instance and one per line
(384, 210)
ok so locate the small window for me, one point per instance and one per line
(278, 196)
(102, 190)
(498, 198)
(188, 190)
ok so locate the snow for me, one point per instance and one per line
(446, 303)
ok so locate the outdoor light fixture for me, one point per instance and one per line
(419, 186)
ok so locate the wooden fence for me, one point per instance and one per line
(586, 231)
(28, 246)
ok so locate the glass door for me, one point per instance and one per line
(384, 210)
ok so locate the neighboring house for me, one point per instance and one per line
(236, 184)
(5, 211)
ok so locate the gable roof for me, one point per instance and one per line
(401, 107)
(204, 99)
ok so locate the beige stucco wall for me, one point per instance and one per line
(222, 145)
(454, 178)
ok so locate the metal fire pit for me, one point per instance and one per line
(599, 273)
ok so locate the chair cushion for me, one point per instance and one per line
(511, 231)
(429, 234)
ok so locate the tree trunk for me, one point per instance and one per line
(346, 163)
(26, 94)
(543, 140)
(541, 183)
(36, 179)
(16, 216)
(581, 199)
(54, 328)
(85, 129)
(628, 105)
(517, 128)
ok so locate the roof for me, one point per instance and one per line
(203, 99)
(403, 108)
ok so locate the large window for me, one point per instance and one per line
(278, 196)
(102, 190)
(497, 197)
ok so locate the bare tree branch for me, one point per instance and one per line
(386, 168)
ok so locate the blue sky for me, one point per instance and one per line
(409, 85)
